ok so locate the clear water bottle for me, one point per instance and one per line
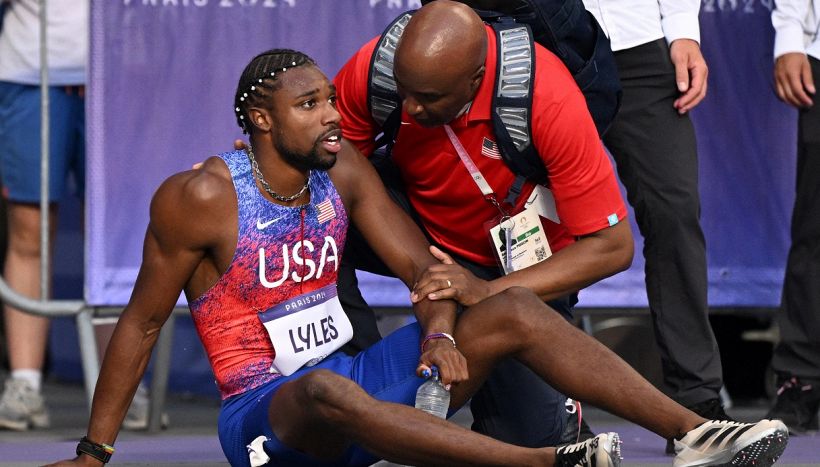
(432, 398)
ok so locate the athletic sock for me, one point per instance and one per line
(33, 377)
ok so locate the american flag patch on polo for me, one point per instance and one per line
(325, 211)
(490, 149)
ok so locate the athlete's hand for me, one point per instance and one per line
(793, 80)
(452, 366)
(449, 280)
(690, 73)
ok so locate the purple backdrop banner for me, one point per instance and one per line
(163, 74)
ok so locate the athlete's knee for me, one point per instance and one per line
(524, 310)
(330, 396)
(322, 386)
(520, 304)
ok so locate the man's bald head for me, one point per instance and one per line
(440, 55)
(441, 33)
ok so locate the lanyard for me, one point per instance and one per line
(486, 190)
(478, 178)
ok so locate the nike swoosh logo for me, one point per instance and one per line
(405, 123)
(261, 225)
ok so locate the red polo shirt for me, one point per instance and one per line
(441, 189)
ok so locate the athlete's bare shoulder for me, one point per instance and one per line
(196, 204)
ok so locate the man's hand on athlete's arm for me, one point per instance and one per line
(793, 80)
(449, 280)
(436, 317)
(398, 241)
(691, 73)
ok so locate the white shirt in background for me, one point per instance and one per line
(797, 27)
(630, 23)
(67, 42)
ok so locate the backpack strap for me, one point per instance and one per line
(382, 98)
(512, 104)
(512, 97)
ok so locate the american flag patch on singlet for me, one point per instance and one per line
(325, 211)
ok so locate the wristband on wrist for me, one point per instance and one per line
(438, 335)
(101, 452)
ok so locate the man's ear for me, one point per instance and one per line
(478, 75)
(260, 118)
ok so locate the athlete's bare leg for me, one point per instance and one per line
(321, 413)
(517, 323)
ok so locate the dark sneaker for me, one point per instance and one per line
(577, 429)
(732, 443)
(603, 450)
(710, 409)
(797, 404)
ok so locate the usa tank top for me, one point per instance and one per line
(281, 252)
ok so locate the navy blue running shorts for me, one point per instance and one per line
(385, 370)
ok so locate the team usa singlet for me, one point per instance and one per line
(281, 253)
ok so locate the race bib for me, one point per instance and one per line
(306, 329)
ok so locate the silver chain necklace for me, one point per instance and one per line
(266, 186)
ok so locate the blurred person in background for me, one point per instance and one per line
(652, 139)
(797, 357)
(21, 405)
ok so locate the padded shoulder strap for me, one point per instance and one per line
(381, 95)
(512, 101)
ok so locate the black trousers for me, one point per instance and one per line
(657, 161)
(798, 353)
(514, 404)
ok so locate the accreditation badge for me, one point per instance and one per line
(520, 241)
(306, 329)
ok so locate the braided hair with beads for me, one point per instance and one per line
(259, 80)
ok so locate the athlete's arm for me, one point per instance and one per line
(179, 233)
(398, 241)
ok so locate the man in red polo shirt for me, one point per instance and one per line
(447, 158)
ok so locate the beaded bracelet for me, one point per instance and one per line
(101, 452)
(437, 335)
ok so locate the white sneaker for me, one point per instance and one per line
(732, 443)
(21, 407)
(137, 416)
(603, 450)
